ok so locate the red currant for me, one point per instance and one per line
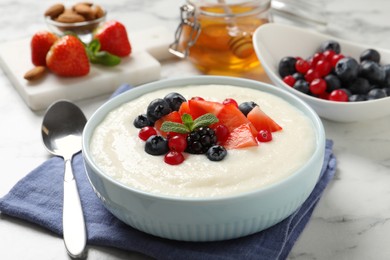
(289, 80)
(317, 86)
(146, 132)
(197, 98)
(222, 133)
(230, 101)
(264, 136)
(328, 54)
(316, 58)
(323, 67)
(338, 95)
(302, 66)
(173, 158)
(177, 143)
(311, 75)
(335, 59)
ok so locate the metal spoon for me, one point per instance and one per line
(62, 128)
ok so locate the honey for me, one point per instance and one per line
(217, 39)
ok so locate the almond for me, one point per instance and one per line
(55, 10)
(70, 18)
(35, 73)
(98, 10)
(85, 11)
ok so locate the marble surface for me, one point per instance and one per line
(352, 218)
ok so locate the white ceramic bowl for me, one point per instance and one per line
(205, 219)
(274, 41)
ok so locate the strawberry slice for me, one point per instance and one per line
(240, 137)
(262, 121)
(232, 117)
(184, 108)
(173, 117)
(201, 107)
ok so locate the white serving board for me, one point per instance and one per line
(142, 66)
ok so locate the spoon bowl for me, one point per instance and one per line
(62, 129)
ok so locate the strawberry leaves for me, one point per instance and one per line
(97, 56)
(189, 124)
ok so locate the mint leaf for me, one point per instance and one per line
(204, 120)
(169, 126)
(101, 57)
(187, 121)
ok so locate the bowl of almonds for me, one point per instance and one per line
(81, 19)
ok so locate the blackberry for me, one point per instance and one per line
(200, 140)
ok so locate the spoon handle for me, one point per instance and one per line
(74, 231)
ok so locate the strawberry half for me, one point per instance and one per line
(68, 58)
(262, 121)
(232, 117)
(173, 117)
(200, 107)
(40, 45)
(112, 36)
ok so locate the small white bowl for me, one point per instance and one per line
(205, 219)
(274, 41)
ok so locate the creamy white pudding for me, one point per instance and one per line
(119, 152)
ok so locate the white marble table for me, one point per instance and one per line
(352, 218)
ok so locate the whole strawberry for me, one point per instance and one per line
(113, 38)
(40, 45)
(68, 58)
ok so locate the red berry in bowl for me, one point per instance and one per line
(317, 86)
(323, 67)
(311, 75)
(264, 136)
(338, 95)
(230, 101)
(173, 158)
(177, 143)
(289, 80)
(302, 66)
(336, 58)
(146, 132)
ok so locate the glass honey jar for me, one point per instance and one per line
(216, 36)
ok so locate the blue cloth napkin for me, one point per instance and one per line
(38, 198)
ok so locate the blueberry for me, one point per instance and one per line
(332, 82)
(287, 66)
(357, 97)
(347, 91)
(174, 100)
(246, 107)
(330, 45)
(302, 86)
(386, 82)
(372, 71)
(376, 93)
(157, 109)
(298, 75)
(370, 54)
(360, 86)
(347, 69)
(156, 145)
(216, 153)
(141, 121)
(387, 90)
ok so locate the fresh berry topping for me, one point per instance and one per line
(317, 86)
(198, 108)
(230, 101)
(173, 158)
(287, 66)
(232, 117)
(171, 117)
(289, 80)
(177, 143)
(156, 145)
(264, 136)
(240, 137)
(197, 98)
(141, 121)
(200, 140)
(338, 95)
(174, 100)
(157, 109)
(216, 153)
(370, 54)
(246, 107)
(222, 133)
(146, 132)
(261, 121)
